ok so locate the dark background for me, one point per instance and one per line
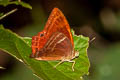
(91, 18)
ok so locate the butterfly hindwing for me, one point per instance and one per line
(58, 47)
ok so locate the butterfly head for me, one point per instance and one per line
(38, 43)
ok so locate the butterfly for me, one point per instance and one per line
(55, 42)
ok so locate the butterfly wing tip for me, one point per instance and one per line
(56, 9)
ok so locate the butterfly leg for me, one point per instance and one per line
(59, 63)
(72, 64)
(64, 61)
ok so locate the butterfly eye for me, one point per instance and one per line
(41, 35)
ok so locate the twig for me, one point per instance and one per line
(8, 13)
(2, 67)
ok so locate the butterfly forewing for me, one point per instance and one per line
(57, 22)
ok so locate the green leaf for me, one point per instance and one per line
(26, 5)
(7, 2)
(21, 48)
(7, 43)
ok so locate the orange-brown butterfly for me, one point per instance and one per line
(55, 42)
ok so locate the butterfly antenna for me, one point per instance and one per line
(92, 39)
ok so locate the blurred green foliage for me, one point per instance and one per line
(20, 72)
(109, 64)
